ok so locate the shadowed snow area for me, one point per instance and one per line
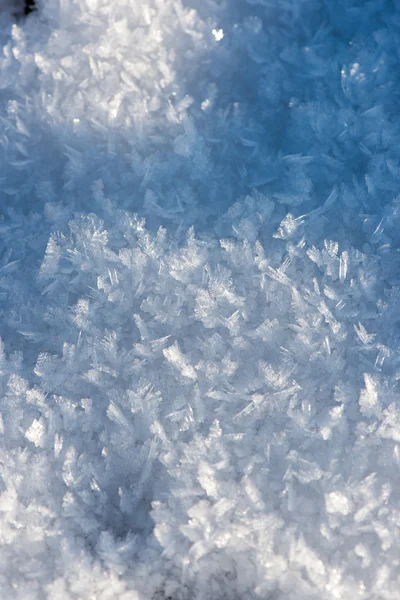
(200, 300)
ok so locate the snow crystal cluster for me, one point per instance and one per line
(200, 300)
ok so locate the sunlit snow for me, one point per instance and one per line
(200, 300)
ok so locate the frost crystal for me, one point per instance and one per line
(199, 300)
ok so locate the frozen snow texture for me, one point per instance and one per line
(200, 300)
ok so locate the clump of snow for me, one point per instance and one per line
(199, 300)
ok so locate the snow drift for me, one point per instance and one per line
(199, 300)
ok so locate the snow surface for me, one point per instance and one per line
(200, 300)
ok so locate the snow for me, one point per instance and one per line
(199, 300)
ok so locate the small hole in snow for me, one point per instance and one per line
(29, 6)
